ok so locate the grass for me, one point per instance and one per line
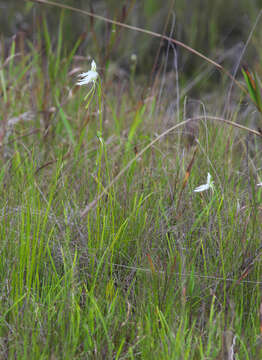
(153, 270)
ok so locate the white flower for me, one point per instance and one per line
(133, 58)
(88, 77)
(259, 184)
(208, 185)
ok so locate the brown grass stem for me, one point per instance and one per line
(93, 204)
(144, 31)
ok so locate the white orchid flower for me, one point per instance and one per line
(208, 185)
(89, 76)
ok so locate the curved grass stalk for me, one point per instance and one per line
(144, 31)
(93, 204)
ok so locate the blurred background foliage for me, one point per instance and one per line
(219, 29)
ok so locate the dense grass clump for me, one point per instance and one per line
(106, 250)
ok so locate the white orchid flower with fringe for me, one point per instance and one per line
(89, 76)
(207, 186)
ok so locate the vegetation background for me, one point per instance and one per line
(106, 250)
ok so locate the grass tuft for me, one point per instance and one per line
(106, 250)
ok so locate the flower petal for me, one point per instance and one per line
(89, 76)
(93, 66)
(208, 178)
(202, 188)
